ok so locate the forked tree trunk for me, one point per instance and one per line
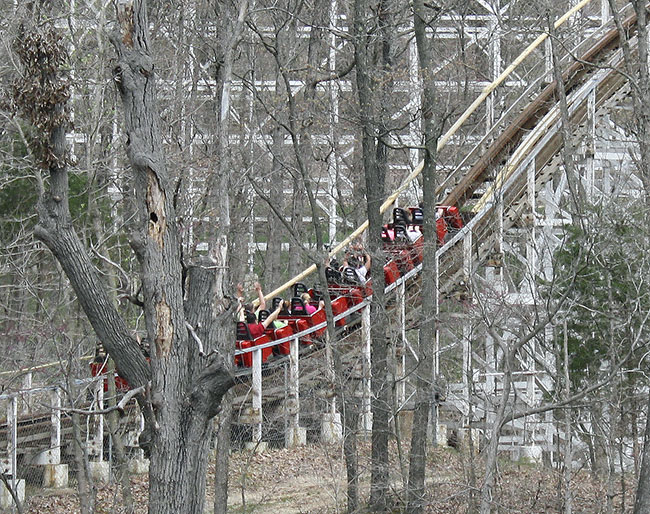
(183, 387)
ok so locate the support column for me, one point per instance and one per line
(100, 470)
(257, 401)
(6, 501)
(138, 464)
(604, 12)
(55, 474)
(26, 408)
(296, 435)
(591, 148)
(531, 250)
(467, 347)
(99, 434)
(332, 162)
(400, 353)
(366, 412)
(415, 80)
(495, 56)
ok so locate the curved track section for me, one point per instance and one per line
(506, 170)
(496, 182)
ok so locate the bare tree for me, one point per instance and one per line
(425, 387)
(372, 49)
(185, 381)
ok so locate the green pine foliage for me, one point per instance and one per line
(607, 299)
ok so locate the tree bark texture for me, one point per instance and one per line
(372, 55)
(184, 388)
(428, 327)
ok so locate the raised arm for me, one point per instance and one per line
(367, 260)
(260, 296)
(272, 317)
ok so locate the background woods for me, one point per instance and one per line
(154, 155)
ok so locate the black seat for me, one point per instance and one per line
(400, 215)
(298, 307)
(350, 275)
(243, 334)
(400, 231)
(333, 276)
(276, 302)
(418, 216)
(299, 288)
(262, 315)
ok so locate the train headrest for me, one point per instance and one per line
(400, 214)
(333, 275)
(350, 275)
(417, 215)
(299, 288)
(276, 302)
(243, 334)
(297, 306)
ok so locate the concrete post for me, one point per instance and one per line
(55, 431)
(55, 474)
(99, 470)
(99, 436)
(366, 412)
(296, 435)
(257, 395)
(6, 501)
(256, 414)
(400, 350)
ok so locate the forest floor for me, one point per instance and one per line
(311, 479)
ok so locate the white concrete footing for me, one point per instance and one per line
(441, 435)
(257, 447)
(55, 476)
(531, 454)
(100, 471)
(6, 501)
(464, 434)
(47, 457)
(296, 436)
(331, 428)
(138, 466)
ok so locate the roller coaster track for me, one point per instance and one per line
(527, 137)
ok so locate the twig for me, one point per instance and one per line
(196, 338)
(5, 480)
(119, 407)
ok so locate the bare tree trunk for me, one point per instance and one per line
(221, 246)
(222, 451)
(568, 432)
(425, 380)
(186, 387)
(372, 54)
(119, 451)
(640, 91)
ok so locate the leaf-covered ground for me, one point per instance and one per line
(312, 480)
